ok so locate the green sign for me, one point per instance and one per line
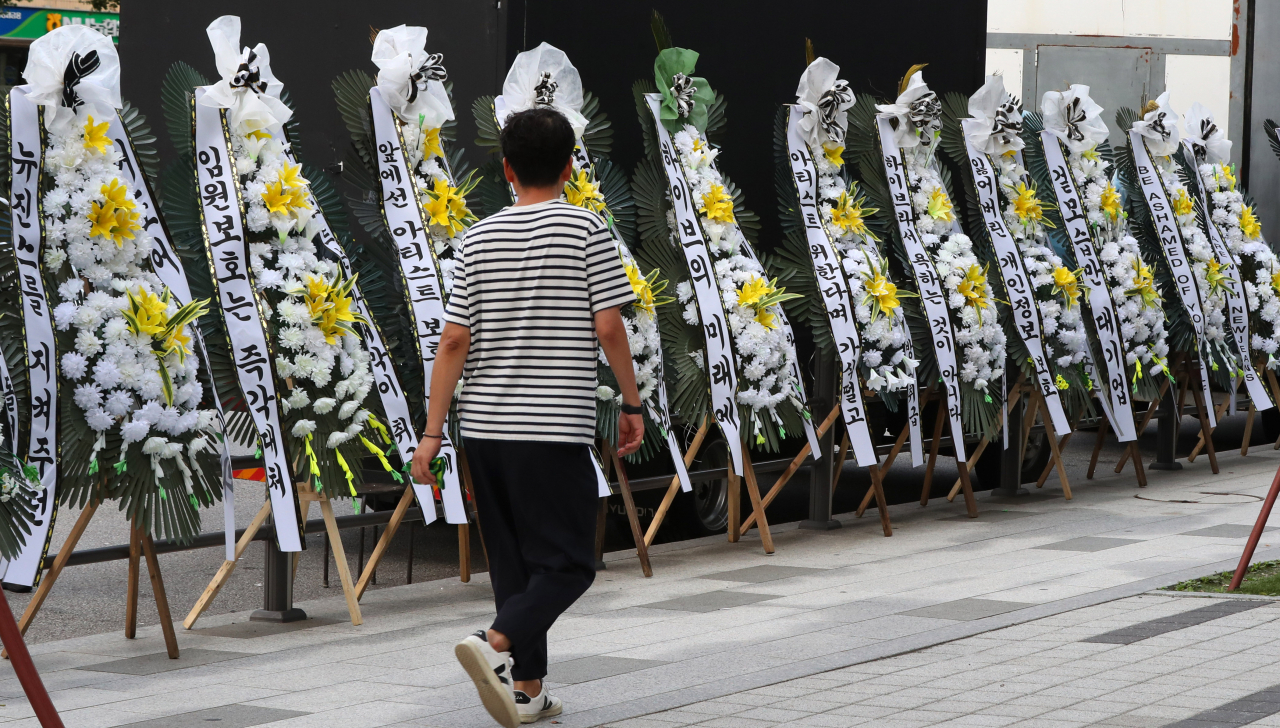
(31, 23)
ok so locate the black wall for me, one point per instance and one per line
(753, 53)
(311, 43)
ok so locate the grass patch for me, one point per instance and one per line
(1262, 579)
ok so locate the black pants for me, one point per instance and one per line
(537, 506)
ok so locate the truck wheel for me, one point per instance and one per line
(706, 509)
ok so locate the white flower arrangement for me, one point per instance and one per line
(1057, 289)
(752, 303)
(979, 338)
(132, 367)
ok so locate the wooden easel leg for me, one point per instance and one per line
(1062, 443)
(224, 572)
(379, 549)
(757, 505)
(1219, 411)
(1052, 436)
(162, 599)
(1137, 464)
(1097, 447)
(624, 485)
(733, 502)
(464, 553)
(674, 488)
(888, 463)
(340, 556)
(473, 511)
(1146, 420)
(934, 445)
(1202, 413)
(131, 594)
(844, 453)
(64, 553)
(795, 464)
(970, 503)
(1248, 430)
(877, 488)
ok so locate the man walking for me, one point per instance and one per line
(540, 283)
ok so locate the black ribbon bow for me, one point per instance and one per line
(829, 110)
(431, 69)
(1075, 116)
(1158, 124)
(1201, 145)
(926, 112)
(1007, 124)
(544, 94)
(249, 76)
(682, 89)
(77, 69)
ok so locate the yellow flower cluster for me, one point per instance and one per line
(114, 218)
(647, 289)
(330, 307)
(148, 315)
(761, 295)
(834, 154)
(288, 193)
(1027, 206)
(1249, 224)
(446, 206)
(974, 289)
(717, 205)
(582, 191)
(1067, 283)
(1111, 201)
(940, 206)
(1144, 285)
(1182, 204)
(95, 136)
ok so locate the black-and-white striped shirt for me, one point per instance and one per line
(530, 282)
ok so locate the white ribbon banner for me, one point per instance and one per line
(721, 360)
(1184, 279)
(926, 275)
(168, 268)
(26, 159)
(1117, 405)
(222, 215)
(419, 276)
(10, 405)
(661, 413)
(835, 293)
(1237, 304)
(1017, 282)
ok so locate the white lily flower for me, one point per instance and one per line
(1160, 127)
(247, 88)
(543, 77)
(412, 80)
(1207, 138)
(999, 116)
(1074, 118)
(917, 108)
(825, 99)
(74, 68)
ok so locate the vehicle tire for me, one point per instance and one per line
(706, 509)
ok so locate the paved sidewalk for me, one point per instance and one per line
(719, 620)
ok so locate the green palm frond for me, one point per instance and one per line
(175, 99)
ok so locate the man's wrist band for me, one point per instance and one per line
(434, 437)
(630, 409)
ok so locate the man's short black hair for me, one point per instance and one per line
(538, 143)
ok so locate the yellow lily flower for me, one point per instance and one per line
(1275, 282)
(148, 312)
(1229, 176)
(277, 198)
(117, 195)
(1216, 278)
(95, 136)
(1144, 285)
(1249, 223)
(1026, 205)
(974, 289)
(699, 145)
(102, 219)
(940, 206)
(291, 176)
(765, 318)
(330, 306)
(431, 146)
(753, 291)
(125, 227)
(717, 205)
(884, 293)
(1111, 201)
(834, 154)
(847, 215)
(643, 290)
(446, 207)
(1182, 204)
(580, 190)
(259, 134)
(1091, 154)
(1066, 283)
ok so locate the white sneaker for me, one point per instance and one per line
(544, 705)
(490, 670)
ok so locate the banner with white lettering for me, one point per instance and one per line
(1118, 404)
(1175, 255)
(1237, 304)
(419, 276)
(26, 160)
(835, 293)
(721, 359)
(222, 214)
(1017, 282)
(926, 275)
(168, 268)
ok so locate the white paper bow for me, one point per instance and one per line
(1207, 138)
(85, 57)
(916, 107)
(1160, 127)
(411, 80)
(247, 87)
(999, 117)
(545, 77)
(1074, 118)
(825, 98)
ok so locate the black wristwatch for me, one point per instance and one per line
(630, 409)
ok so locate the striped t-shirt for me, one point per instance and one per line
(531, 280)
